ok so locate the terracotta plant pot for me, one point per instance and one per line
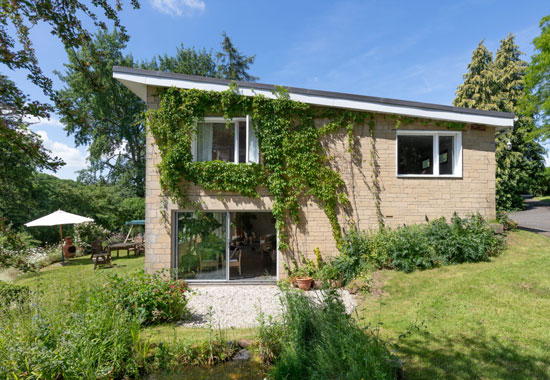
(304, 283)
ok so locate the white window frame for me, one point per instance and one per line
(235, 121)
(457, 153)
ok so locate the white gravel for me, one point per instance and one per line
(225, 306)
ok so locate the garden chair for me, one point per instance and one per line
(100, 256)
(139, 246)
(235, 259)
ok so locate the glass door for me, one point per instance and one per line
(223, 246)
(201, 245)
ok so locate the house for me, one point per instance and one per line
(404, 162)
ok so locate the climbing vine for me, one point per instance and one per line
(294, 163)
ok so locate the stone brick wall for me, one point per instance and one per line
(403, 200)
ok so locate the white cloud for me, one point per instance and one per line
(179, 7)
(74, 158)
(51, 122)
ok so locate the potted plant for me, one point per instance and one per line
(303, 278)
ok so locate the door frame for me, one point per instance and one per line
(227, 280)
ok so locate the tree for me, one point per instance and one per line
(17, 53)
(499, 86)
(476, 91)
(232, 64)
(105, 114)
(537, 81)
(21, 150)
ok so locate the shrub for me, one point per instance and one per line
(151, 298)
(422, 246)
(318, 340)
(85, 233)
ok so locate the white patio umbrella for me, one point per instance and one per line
(58, 218)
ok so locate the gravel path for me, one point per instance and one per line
(535, 217)
(228, 306)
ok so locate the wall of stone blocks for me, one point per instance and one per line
(403, 200)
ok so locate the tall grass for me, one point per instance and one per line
(87, 337)
(318, 340)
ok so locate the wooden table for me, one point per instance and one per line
(118, 246)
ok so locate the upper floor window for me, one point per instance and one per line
(216, 140)
(429, 153)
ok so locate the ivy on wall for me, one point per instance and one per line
(294, 164)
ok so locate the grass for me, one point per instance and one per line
(484, 321)
(169, 333)
(545, 199)
(79, 272)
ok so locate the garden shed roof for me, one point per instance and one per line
(137, 80)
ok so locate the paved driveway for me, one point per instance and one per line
(535, 217)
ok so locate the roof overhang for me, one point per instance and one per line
(137, 81)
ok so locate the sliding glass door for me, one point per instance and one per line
(223, 246)
(201, 245)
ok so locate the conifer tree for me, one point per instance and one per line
(476, 91)
(499, 86)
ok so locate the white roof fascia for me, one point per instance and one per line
(138, 85)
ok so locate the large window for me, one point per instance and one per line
(225, 246)
(234, 142)
(427, 153)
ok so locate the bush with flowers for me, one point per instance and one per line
(152, 298)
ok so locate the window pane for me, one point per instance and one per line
(223, 142)
(414, 154)
(253, 150)
(242, 141)
(446, 144)
(204, 142)
(201, 245)
(215, 141)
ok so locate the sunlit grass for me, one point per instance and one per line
(485, 320)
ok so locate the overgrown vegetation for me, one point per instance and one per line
(151, 298)
(316, 339)
(407, 248)
(94, 333)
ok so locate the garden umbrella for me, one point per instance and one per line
(58, 218)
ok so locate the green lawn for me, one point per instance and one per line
(57, 278)
(471, 321)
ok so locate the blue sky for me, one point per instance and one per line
(414, 50)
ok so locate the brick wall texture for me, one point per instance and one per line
(403, 200)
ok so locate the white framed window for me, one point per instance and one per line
(429, 154)
(215, 140)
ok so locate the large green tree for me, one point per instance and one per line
(537, 81)
(104, 114)
(67, 20)
(21, 150)
(477, 89)
(499, 86)
(108, 117)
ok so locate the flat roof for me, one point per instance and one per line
(137, 81)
